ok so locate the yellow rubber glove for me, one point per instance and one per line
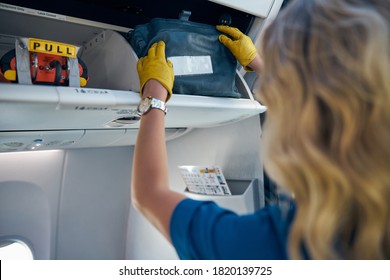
(155, 66)
(240, 45)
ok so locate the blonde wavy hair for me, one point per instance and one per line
(326, 84)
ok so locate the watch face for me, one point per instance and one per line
(144, 106)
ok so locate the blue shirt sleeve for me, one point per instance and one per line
(203, 230)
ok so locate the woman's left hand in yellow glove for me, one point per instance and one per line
(240, 45)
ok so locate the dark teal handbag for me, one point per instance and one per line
(202, 65)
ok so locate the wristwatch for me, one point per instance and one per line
(148, 103)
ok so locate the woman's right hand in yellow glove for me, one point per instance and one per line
(240, 45)
(155, 66)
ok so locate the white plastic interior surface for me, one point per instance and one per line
(257, 8)
(242, 201)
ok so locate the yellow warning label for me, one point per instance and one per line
(50, 47)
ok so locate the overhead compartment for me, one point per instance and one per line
(107, 105)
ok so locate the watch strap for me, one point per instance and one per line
(148, 103)
(158, 104)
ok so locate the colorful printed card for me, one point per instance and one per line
(205, 180)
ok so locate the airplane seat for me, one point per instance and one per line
(25, 216)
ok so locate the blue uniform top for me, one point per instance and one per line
(203, 230)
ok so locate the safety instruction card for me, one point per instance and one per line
(207, 180)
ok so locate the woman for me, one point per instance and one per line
(325, 82)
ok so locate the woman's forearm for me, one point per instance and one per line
(150, 184)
